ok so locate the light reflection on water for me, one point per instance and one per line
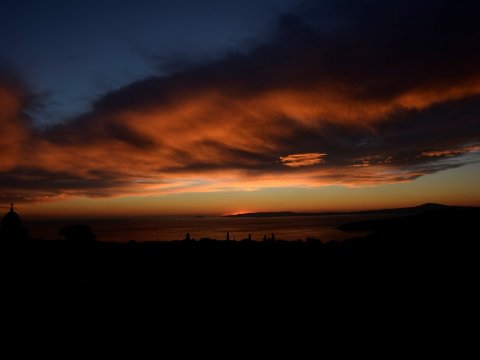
(169, 228)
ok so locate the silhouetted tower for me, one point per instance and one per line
(187, 237)
(11, 220)
(249, 237)
(228, 236)
(273, 237)
(265, 237)
(12, 225)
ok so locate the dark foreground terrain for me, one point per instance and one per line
(421, 250)
(411, 277)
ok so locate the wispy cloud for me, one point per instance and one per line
(451, 152)
(297, 160)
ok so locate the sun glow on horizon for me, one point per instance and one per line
(434, 188)
(304, 119)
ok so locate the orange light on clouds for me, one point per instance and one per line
(308, 159)
(210, 138)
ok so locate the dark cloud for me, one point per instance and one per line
(349, 92)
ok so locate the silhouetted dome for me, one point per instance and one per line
(11, 220)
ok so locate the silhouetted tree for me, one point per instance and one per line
(273, 237)
(81, 242)
(77, 233)
(228, 236)
(249, 237)
(187, 237)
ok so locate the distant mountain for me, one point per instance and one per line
(396, 211)
(407, 210)
(434, 220)
(274, 214)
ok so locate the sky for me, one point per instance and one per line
(217, 107)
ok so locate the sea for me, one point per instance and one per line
(164, 228)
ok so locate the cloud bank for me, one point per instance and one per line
(349, 92)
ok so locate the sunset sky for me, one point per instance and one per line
(216, 107)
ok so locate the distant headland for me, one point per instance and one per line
(395, 211)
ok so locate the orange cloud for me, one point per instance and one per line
(297, 160)
(206, 142)
(13, 132)
(262, 118)
(451, 153)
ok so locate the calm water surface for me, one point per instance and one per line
(168, 228)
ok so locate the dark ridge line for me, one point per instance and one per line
(400, 211)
